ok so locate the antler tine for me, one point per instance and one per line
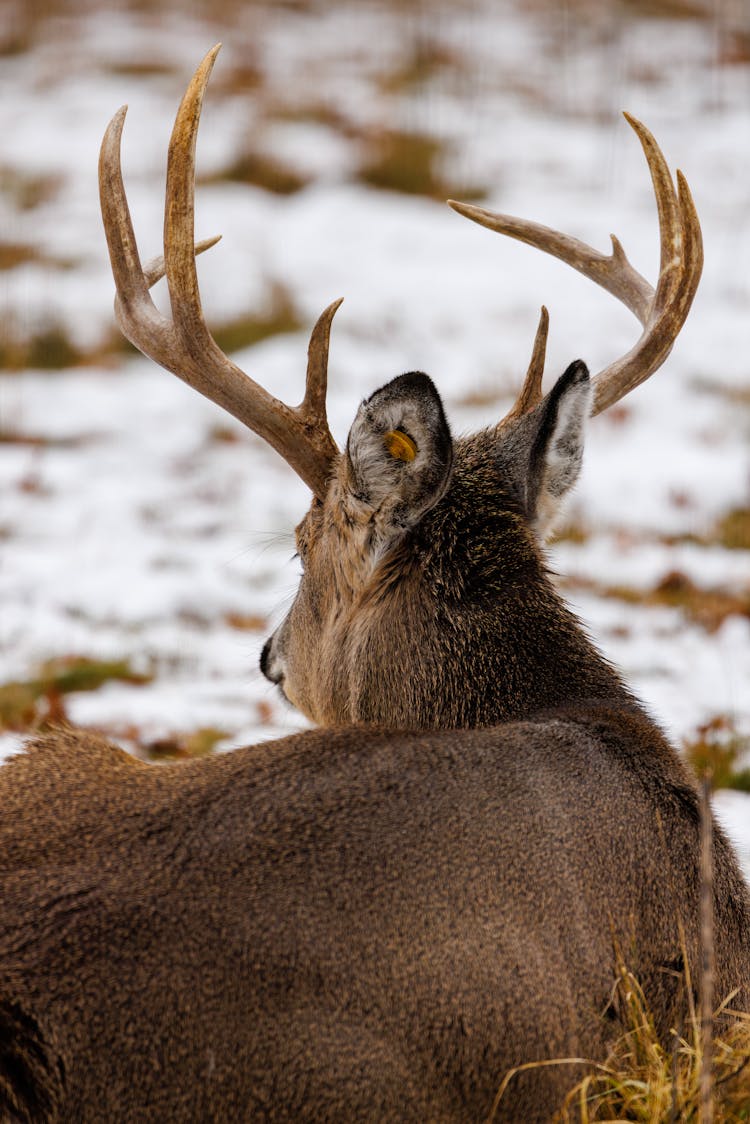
(132, 301)
(680, 271)
(134, 308)
(179, 214)
(668, 211)
(612, 272)
(157, 268)
(669, 314)
(184, 344)
(662, 313)
(531, 391)
(316, 382)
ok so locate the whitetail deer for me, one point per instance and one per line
(378, 919)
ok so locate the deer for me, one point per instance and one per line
(396, 914)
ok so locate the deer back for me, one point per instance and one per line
(345, 924)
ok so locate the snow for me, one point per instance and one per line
(141, 531)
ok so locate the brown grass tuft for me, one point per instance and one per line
(719, 748)
(733, 529)
(37, 703)
(645, 1082)
(259, 169)
(425, 62)
(48, 347)
(279, 317)
(25, 190)
(642, 1081)
(410, 163)
(184, 746)
(708, 608)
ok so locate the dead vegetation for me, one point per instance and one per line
(702, 1073)
(720, 750)
(261, 169)
(40, 702)
(247, 622)
(13, 254)
(699, 1073)
(26, 191)
(425, 61)
(277, 316)
(184, 746)
(51, 346)
(707, 607)
(732, 531)
(39, 441)
(648, 1081)
(34, 704)
(644, 1081)
(413, 164)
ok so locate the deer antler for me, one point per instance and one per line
(184, 344)
(662, 312)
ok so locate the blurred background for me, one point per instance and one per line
(146, 539)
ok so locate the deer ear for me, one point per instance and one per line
(399, 452)
(544, 451)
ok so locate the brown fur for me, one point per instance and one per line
(359, 923)
(462, 601)
(342, 925)
(364, 924)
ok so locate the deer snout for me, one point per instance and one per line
(270, 664)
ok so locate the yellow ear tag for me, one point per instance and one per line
(400, 445)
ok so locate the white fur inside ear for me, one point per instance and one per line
(398, 456)
(564, 456)
(377, 471)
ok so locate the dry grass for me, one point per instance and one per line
(35, 704)
(259, 169)
(411, 163)
(573, 532)
(28, 190)
(701, 1073)
(278, 316)
(13, 254)
(719, 749)
(184, 746)
(404, 162)
(426, 61)
(641, 9)
(708, 608)
(50, 347)
(643, 1081)
(732, 531)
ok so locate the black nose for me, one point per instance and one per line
(265, 664)
(264, 656)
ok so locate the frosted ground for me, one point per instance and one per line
(138, 523)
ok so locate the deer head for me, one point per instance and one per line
(424, 600)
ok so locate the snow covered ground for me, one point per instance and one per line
(137, 522)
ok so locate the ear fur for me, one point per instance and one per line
(544, 451)
(399, 452)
